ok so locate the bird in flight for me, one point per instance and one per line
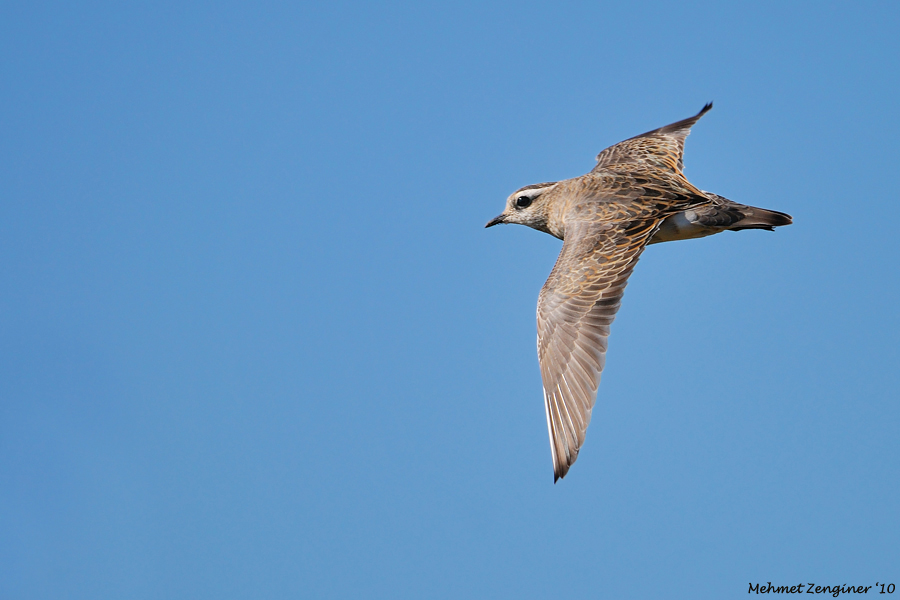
(636, 195)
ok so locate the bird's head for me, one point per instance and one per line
(527, 206)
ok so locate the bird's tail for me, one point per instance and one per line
(727, 214)
(760, 218)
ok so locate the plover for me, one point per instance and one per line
(636, 195)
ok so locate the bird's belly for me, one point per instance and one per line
(680, 227)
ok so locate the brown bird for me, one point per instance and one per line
(635, 196)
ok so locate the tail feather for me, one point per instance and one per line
(730, 215)
(761, 218)
(721, 215)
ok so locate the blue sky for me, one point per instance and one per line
(255, 342)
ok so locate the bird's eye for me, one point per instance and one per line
(523, 201)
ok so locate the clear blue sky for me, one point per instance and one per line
(255, 342)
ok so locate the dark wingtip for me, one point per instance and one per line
(559, 473)
(681, 128)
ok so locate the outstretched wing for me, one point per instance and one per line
(576, 307)
(662, 148)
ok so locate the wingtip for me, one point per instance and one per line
(559, 473)
(706, 108)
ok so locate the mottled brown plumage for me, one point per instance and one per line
(635, 196)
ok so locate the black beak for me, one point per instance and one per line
(496, 221)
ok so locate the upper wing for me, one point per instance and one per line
(662, 148)
(575, 309)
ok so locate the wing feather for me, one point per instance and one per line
(661, 148)
(576, 307)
